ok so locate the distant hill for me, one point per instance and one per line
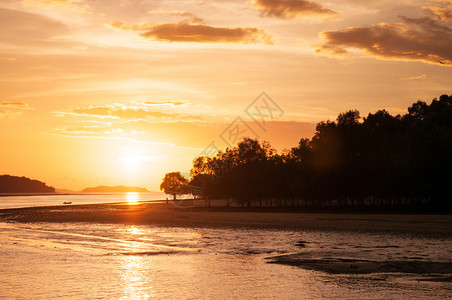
(65, 191)
(115, 189)
(15, 184)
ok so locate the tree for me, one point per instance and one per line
(202, 186)
(174, 184)
(378, 162)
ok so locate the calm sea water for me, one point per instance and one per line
(101, 261)
(51, 200)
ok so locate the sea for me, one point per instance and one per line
(33, 200)
(120, 261)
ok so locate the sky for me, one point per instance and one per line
(97, 92)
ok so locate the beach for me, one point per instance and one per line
(162, 250)
(163, 214)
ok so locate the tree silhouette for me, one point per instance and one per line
(377, 162)
(174, 184)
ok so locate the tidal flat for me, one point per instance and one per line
(153, 250)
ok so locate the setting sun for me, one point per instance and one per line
(132, 158)
(213, 149)
(132, 89)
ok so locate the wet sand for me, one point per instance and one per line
(163, 214)
(438, 271)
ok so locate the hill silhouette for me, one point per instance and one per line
(15, 184)
(115, 189)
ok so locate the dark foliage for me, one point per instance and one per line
(174, 183)
(383, 162)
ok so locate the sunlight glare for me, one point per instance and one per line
(136, 231)
(132, 158)
(132, 198)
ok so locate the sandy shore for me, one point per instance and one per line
(163, 214)
(438, 271)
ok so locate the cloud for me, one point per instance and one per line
(17, 105)
(191, 17)
(121, 112)
(10, 109)
(75, 5)
(28, 30)
(8, 114)
(106, 131)
(331, 50)
(418, 39)
(192, 134)
(441, 9)
(194, 19)
(285, 9)
(171, 103)
(422, 76)
(195, 33)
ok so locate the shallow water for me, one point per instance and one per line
(42, 261)
(52, 200)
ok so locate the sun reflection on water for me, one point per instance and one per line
(132, 198)
(135, 273)
(135, 231)
(135, 279)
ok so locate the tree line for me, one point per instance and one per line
(379, 162)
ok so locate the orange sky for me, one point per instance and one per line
(97, 92)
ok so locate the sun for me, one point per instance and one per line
(134, 164)
(133, 158)
(131, 162)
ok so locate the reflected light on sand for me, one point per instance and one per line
(135, 280)
(136, 231)
(132, 198)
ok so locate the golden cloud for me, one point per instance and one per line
(130, 112)
(171, 103)
(17, 105)
(286, 9)
(28, 31)
(9, 109)
(75, 5)
(106, 131)
(192, 134)
(441, 9)
(119, 111)
(8, 114)
(422, 76)
(418, 39)
(191, 17)
(331, 50)
(195, 33)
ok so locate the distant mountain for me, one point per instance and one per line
(65, 191)
(15, 184)
(115, 189)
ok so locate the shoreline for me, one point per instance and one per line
(331, 261)
(69, 194)
(159, 213)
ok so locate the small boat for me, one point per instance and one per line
(67, 202)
